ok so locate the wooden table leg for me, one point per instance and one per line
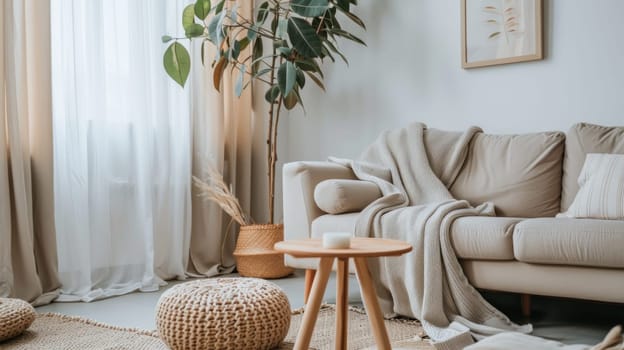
(342, 303)
(309, 279)
(372, 305)
(314, 304)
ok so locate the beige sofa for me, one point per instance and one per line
(525, 249)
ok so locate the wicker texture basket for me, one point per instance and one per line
(223, 313)
(254, 252)
(15, 317)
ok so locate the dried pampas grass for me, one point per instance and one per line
(216, 190)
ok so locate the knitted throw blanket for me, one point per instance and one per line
(416, 206)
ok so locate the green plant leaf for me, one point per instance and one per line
(332, 22)
(343, 4)
(238, 87)
(235, 50)
(274, 24)
(347, 35)
(286, 77)
(244, 42)
(188, 16)
(272, 93)
(309, 65)
(290, 101)
(217, 74)
(262, 72)
(279, 43)
(316, 80)
(284, 51)
(215, 30)
(281, 29)
(355, 19)
(299, 99)
(202, 9)
(177, 62)
(303, 37)
(333, 48)
(234, 13)
(219, 7)
(263, 12)
(194, 30)
(300, 78)
(252, 32)
(309, 8)
(256, 54)
(326, 53)
(202, 50)
(166, 38)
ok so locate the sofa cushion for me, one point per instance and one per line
(582, 139)
(333, 223)
(344, 196)
(601, 193)
(564, 241)
(473, 237)
(483, 237)
(520, 174)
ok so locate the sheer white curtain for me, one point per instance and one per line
(122, 148)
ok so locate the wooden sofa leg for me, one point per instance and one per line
(309, 278)
(525, 302)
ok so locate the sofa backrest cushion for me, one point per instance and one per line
(520, 174)
(582, 139)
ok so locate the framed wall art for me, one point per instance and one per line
(500, 31)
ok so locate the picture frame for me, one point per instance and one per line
(498, 32)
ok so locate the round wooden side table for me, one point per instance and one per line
(361, 249)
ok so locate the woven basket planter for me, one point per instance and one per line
(254, 252)
(223, 314)
(15, 317)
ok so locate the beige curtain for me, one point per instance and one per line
(222, 136)
(27, 236)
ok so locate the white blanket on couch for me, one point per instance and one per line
(428, 283)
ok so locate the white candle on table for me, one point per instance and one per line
(337, 240)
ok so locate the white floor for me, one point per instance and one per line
(569, 321)
(137, 310)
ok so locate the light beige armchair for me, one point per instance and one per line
(300, 210)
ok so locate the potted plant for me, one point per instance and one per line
(301, 34)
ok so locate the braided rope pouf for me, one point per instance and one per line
(15, 316)
(223, 313)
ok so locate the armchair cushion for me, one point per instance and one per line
(345, 196)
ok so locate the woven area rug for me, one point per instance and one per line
(56, 332)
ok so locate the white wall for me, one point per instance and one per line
(411, 71)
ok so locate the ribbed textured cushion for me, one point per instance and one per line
(582, 139)
(520, 174)
(345, 196)
(601, 195)
(577, 242)
(484, 237)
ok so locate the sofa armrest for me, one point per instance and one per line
(299, 182)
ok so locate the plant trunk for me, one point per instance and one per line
(272, 155)
(271, 166)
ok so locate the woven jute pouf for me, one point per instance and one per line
(15, 317)
(223, 313)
